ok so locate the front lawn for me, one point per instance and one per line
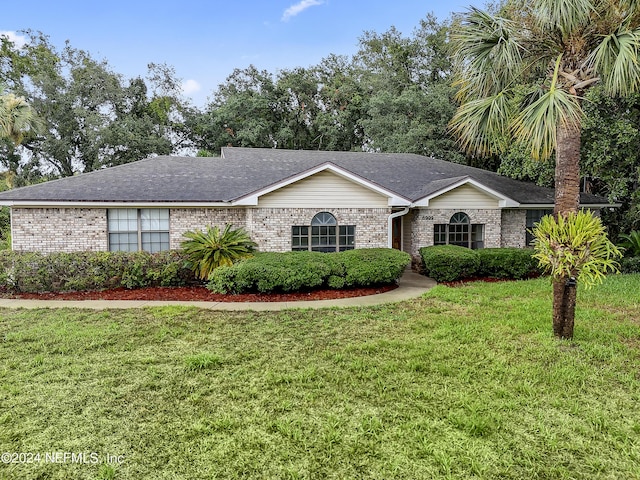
(463, 383)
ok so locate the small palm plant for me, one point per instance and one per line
(16, 117)
(214, 248)
(577, 248)
(631, 242)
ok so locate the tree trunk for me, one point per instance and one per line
(567, 200)
(558, 307)
(564, 307)
(569, 306)
(567, 174)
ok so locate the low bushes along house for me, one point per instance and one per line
(285, 199)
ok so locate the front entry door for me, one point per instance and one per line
(396, 233)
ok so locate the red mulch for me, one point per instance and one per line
(202, 294)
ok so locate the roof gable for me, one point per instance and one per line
(501, 200)
(393, 198)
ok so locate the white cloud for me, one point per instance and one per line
(299, 7)
(190, 86)
(18, 40)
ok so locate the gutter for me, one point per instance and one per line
(390, 225)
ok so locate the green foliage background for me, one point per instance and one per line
(394, 94)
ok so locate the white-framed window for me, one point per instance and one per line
(459, 231)
(133, 229)
(323, 235)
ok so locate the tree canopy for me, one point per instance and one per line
(91, 117)
(393, 95)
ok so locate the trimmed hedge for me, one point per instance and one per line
(295, 271)
(373, 266)
(447, 263)
(64, 272)
(514, 263)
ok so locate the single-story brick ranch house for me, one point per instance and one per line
(285, 199)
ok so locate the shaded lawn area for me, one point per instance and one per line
(462, 383)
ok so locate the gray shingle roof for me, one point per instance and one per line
(242, 171)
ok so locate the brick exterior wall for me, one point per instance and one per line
(184, 219)
(271, 227)
(59, 229)
(79, 229)
(423, 220)
(514, 228)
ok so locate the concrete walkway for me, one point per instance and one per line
(411, 285)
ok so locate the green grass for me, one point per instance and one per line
(462, 383)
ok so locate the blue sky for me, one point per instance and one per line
(205, 40)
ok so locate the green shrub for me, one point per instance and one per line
(38, 272)
(446, 263)
(630, 265)
(295, 271)
(78, 271)
(268, 272)
(164, 269)
(514, 263)
(373, 266)
(631, 243)
(209, 250)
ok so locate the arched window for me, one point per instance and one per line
(324, 219)
(459, 231)
(323, 235)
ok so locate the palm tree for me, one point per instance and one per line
(214, 248)
(16, 117)
(522, 75)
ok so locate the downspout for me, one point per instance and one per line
(390, 226)
(11, 227)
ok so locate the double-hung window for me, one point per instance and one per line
(323, 235)
(459, 231)
(133, 229)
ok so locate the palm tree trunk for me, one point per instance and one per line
(558, 307)
(569, 306)
(567, 174)
(567, 199)
(564, 307)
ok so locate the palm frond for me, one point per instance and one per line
(537, 123)
(209, 250)
(629, 11)
(16, 118)
(481, 125)
(575, 246)
(564, 16)
(631, 242)
(616, 60)
(486, 52)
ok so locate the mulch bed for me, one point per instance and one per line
(201, 294)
